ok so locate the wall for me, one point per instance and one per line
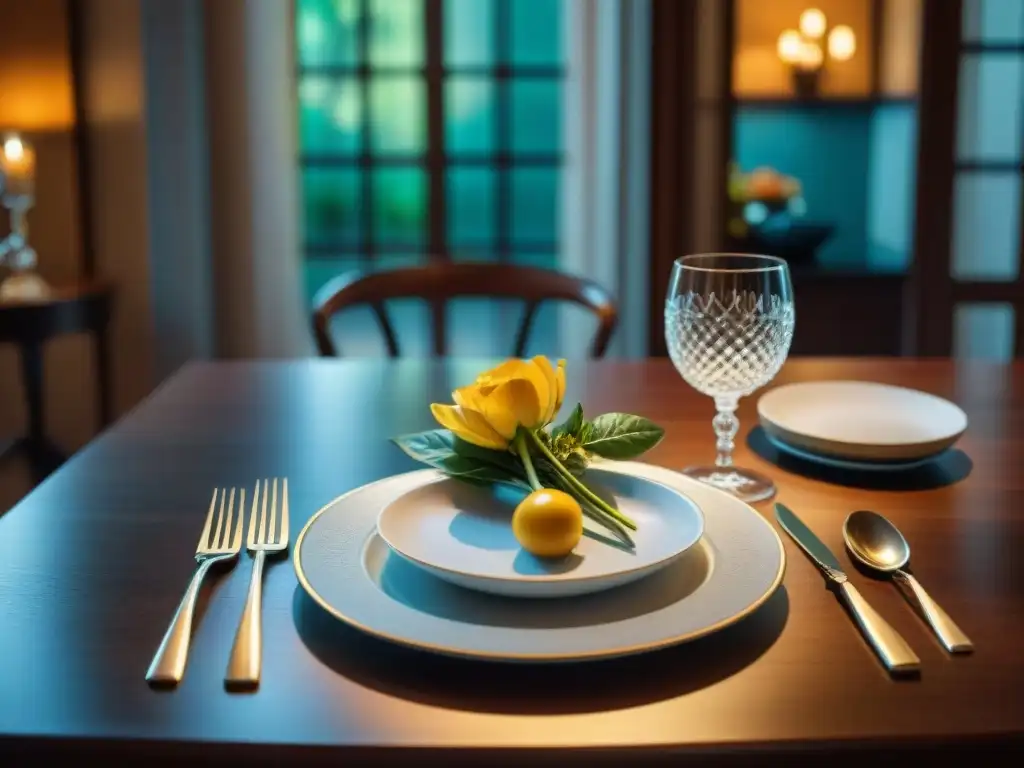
(114, 105)
(33, 64)
(891, 187)
(827, 148)
(36, 99)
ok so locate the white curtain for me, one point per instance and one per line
(252, 119)
(605, 219)
(225, 263)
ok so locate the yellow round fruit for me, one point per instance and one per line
(548, 523)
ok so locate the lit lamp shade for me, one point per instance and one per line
(842, 43)
(813, 24)
(790, 46)
(35, 73)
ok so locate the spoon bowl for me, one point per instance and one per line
(875, 541)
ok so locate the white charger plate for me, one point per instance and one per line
(348, 570)
(861, 420)
(463, 534)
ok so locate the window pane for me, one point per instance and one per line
(992, 20)
(396, 32)
(383, 262)
(990, 106)
(468, 32)
(536, 116)
(330, 115)
(471, 206)
(399, 205)
(986, 226)
(327, 32)
(397, 115)
(534, 205)
(983, 331)
(331, 201)
(469, 115)
(542, 259)
(536, 31)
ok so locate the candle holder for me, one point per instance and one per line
(17, 196)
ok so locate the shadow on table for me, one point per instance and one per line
(951, 467)
(481, 686)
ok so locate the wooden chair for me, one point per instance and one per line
(440, 282)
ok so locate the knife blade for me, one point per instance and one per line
(809, 543)
(892, 649)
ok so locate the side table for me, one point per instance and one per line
(85, 307)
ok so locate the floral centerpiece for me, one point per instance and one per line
(757, 197)
(500, 429)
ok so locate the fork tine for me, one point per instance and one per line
(273, 515)
(262, 537)
(215, 542)
(251, 542)
(204, 537)
(283, 533)
(236, 540)
(227, 523)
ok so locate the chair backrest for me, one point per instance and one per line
(440, 282)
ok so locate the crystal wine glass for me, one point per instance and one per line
(729, 323)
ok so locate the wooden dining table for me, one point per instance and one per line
(93, 564)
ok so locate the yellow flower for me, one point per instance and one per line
(518, 393)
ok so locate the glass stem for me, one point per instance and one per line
(726, 426)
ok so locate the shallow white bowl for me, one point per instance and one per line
(861, 420)
(463, 534)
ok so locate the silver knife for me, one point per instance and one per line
(887, 642)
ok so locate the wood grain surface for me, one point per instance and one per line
(94, 562)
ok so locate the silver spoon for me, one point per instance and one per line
(878, 544)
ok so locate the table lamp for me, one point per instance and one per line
(17, 195)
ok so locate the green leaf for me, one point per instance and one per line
(464, 468)
(503, 459)
(622, 436)
(441, 450)
(428, 447)
(572, 425)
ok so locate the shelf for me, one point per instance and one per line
(820, 102)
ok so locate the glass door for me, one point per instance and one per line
(969, 291)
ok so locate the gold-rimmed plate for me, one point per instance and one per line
(348, 569)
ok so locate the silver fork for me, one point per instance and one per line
(217, 544)
(266, 537)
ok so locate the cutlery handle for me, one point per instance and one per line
(168, 665)
(247, 652)
(949, 633)
(887, 642)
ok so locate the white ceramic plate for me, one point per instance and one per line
(351, 573)
(861, 420)
(852, 465)
(463, 534)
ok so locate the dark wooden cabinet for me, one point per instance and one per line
(843, 314)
